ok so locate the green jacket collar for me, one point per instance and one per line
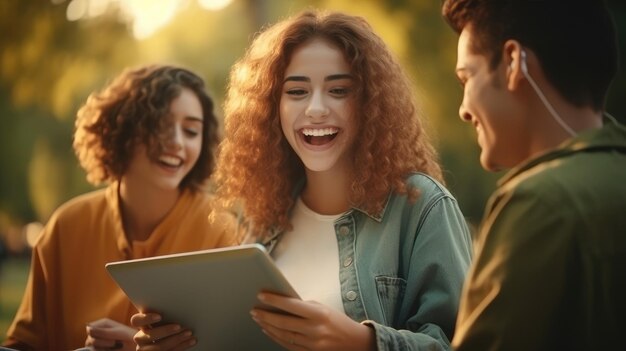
(612, 136)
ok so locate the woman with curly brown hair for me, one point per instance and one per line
(325, 152)
(151, 136)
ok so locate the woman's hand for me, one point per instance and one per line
(107, 334)
(162, 337)
(311, 326)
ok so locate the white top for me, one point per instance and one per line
(308, 256)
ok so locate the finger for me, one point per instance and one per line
(112, 333)
(152, 335)
(111, 336)
(285, 333)
(288, 304)
(102, 322)
(107, 344)
(89, 341)
(142, 320)
(178, 342)
(279, 320)
(287, 343)
(103, 344)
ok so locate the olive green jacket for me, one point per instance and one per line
(550, 269)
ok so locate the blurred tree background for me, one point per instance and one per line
(53, 53)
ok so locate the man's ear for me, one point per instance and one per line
(514, 57)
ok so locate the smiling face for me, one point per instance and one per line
(316, 107)
(492, 108)
(181, 148)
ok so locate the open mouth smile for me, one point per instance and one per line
(319, 136)
(170, 161)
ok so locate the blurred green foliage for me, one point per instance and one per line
(13, 275)
(49, 65)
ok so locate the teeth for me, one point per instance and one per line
(320, 132)
(170, 160)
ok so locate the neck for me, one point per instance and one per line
(553, 120)
(550, 134)
(327, 193)
(143, 208)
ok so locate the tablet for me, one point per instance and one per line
(210, 292)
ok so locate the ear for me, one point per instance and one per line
(512, 58)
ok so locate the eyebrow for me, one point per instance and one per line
(194, 119)
(326, 79)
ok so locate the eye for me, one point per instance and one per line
(296, 92)
(462, 79)
(191, 132)
(340, 91)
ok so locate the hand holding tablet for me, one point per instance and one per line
(210, 292)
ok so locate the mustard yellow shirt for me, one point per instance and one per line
(68, 285)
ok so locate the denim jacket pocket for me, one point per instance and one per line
(390, 295)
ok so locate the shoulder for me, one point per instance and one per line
(424, 194)
(82, 205)
(198, 205)
(74, 216)
(199, 199)
(590, 186)
(206, 214)
(550, 182)
(429, 188)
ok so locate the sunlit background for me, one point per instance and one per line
(53, 53)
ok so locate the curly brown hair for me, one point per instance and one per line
(133, 109)
(257, 166)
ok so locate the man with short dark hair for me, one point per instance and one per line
(550, 267)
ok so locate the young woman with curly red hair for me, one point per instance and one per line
(151, 136)
(326, 155)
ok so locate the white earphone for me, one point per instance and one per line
(523, 63)
(543, 98)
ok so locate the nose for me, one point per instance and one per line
(174, 139)
(464, 114)
(317, 107)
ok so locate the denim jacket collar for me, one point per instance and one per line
(378, 217)
(271, 239)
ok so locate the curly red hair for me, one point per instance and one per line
(256, 165)
(133, 109)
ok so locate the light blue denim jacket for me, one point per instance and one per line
(401, 272)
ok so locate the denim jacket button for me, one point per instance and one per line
(344, 230)
(351, 295)
(347, 262)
